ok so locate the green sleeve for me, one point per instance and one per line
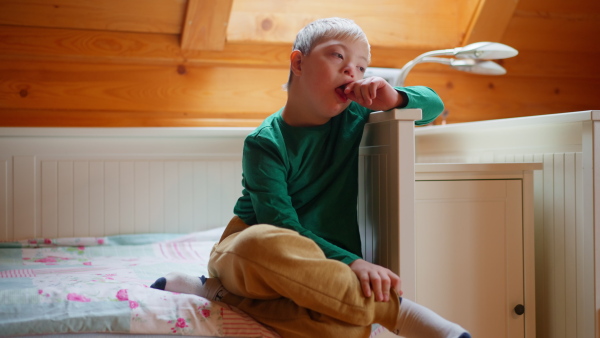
(424, 98)
(266, 183)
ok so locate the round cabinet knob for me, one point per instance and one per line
(520, 309)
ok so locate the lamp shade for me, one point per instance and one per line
(485, 50)
(478, 67)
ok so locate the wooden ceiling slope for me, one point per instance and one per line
(222, 62)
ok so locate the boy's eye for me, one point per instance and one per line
(362, 69)
(338, 55)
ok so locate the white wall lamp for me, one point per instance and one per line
(473, 58)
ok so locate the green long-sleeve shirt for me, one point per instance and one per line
(306, 178)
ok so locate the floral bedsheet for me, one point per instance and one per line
(101, 285)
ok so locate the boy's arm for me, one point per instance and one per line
(375, 94)
(424, 98)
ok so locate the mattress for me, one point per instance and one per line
(99, 287)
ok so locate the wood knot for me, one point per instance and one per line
(491, 85)
(23, 93)
(266, 24)
(181, 69)
(557, 91)
(449, 85)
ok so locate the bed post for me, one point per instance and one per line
(386, 193)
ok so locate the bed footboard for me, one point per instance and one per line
(74, 182)
(387, 192)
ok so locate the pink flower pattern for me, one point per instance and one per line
(181, 323)
(122, 295)
(78, 298)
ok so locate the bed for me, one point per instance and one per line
(90, 217)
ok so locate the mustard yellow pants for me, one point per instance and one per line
(283, 280)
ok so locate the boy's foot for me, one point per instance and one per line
(417, 321)
(209, 288)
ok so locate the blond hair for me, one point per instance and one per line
(326, 29)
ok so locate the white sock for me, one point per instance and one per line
(209, 288)
(417, 321)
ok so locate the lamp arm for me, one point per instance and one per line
(421, 58)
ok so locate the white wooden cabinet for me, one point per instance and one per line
(474, 246)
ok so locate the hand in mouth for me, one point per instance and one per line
(340, 92)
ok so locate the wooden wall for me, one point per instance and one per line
(222, 62)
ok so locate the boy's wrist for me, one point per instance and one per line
(402, 99)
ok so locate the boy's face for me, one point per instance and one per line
(327, 69)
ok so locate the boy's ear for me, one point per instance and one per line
(296, 62)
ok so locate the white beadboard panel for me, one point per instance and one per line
(24, 206)
(570, 241)
(186, 201)
(111, 198)
(373, 210)
(201, 195)
(213, 189)
(105, 197)
(142, 197)
(157, 197)
(227, 187)
(4, 200)
(96, 199)
(559, 230)
(49, 196)
(558, 198)
(366, 220)
(81, 203)
(100, 181)
(65, 199)
(126, 198)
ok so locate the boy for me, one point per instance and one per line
(290, 258)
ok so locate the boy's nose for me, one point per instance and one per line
(348, 70)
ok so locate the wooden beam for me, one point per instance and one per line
(205, 26)
(424, 24)
(490, 20)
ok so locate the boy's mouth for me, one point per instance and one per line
(340, 92)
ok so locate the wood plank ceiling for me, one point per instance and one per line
(222, 62)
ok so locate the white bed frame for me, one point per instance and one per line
(74, 182)
(566, 204)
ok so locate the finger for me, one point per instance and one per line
(350, 92)
(396, 284)
(357, 90)
(365, 91)
(376, 286)
(373, 87)
(365, 285)
(385, 287)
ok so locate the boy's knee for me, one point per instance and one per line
(266, 239)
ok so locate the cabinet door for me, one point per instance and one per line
(469, 248)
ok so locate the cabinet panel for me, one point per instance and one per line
(469, 248)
